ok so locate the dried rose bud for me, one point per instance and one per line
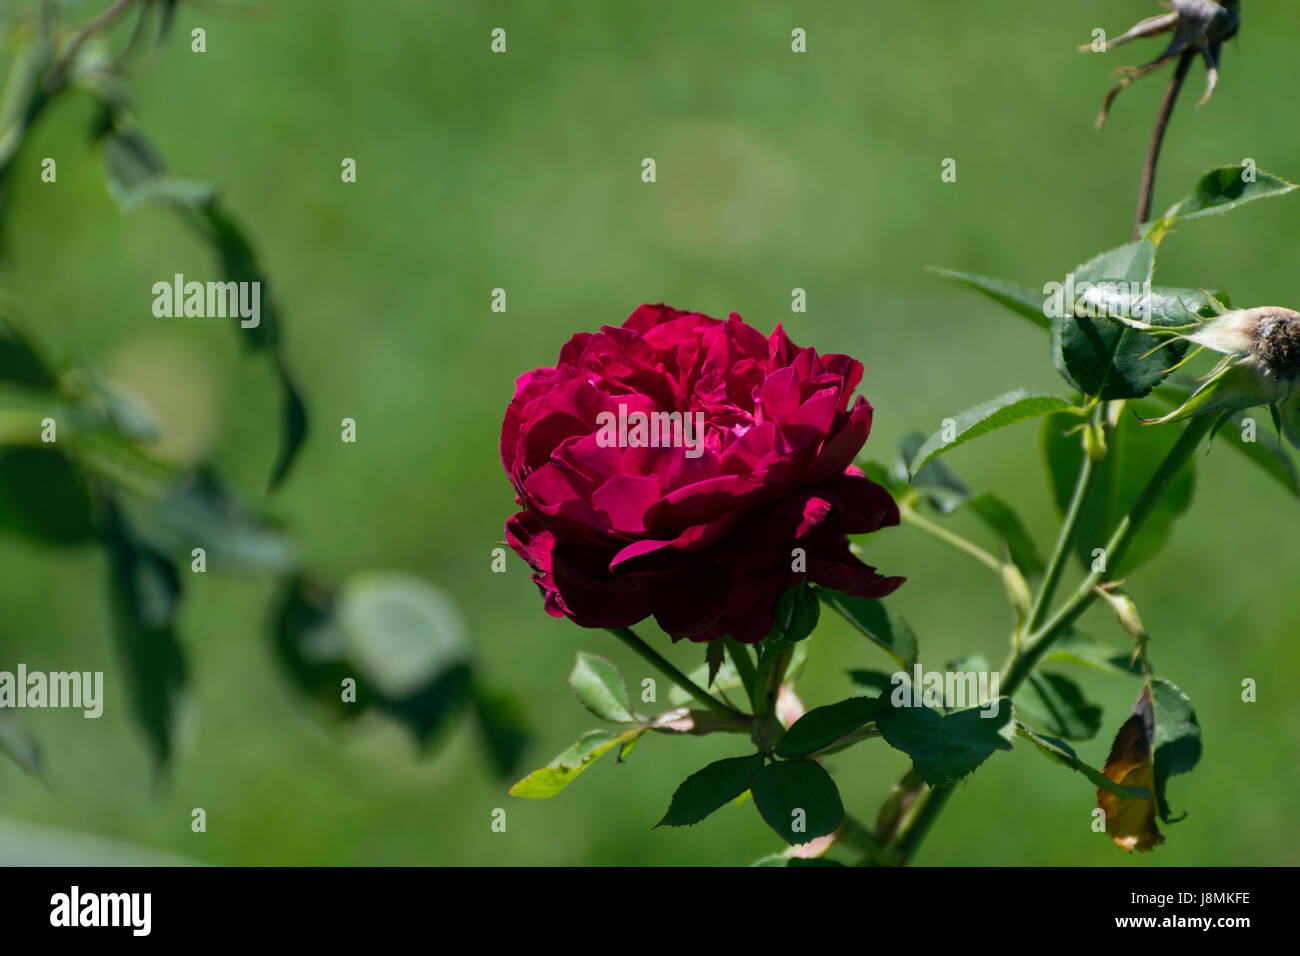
(1260, 366)
(1197, 25)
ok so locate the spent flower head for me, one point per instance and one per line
(1260, 366)
(1197, 25)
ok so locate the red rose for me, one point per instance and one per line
(756, 439)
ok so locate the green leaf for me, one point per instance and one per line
(1134, 262)
(1075, 647)
(1133, 453)
(1101, 355)
(872, 683)
(1058, 704)
(43, 496)
(877, 623)
(727, 678)
(1058, 751)
(1177, 738)
(798, 799)
(795, 615)
(1021, 299)
(18, 744)
(600, 689)
(821, 727)
(938, 484)
(1002, 518)
(564, 769)
(145, 591)
(1225, 188)
(1264, 451)
(947, 747)
(710, 789)
(1008, 409)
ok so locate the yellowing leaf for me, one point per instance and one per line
(1132, 823)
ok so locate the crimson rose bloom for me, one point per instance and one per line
(700, 532)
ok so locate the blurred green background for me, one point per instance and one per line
(522, 171)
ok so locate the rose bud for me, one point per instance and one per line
(1197, 25)
(1260, 366)
(693, 470)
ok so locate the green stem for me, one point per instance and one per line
(772, 664)
(1026, 657)
(648, 653)
(744, 666)
(923, 817)
(1065, 541)
(1117, 548)
(969, 548)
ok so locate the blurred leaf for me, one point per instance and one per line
(1000, 516)
(145, 591)
(505, 732)
(313, 648)
(896, 484)
(43, 496)
(199, 512)
(823, 726)
(1008, 409)
(26, 844)
(1058, 751)
(947, 747)
(18, 744)
(407, 642)
(1058, 704)
(564, 769)
(709, 789)
(1225, 188)
(936, 482)
(122, 412)
(797, 798)
(402, 633)
(293, 417)
(877, 623)
(1021, 299)
(20, 362)
(1133, 453)
(600, 689)
(136, 174)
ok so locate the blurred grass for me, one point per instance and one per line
(522, 171)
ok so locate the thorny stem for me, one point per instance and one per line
(628, 637)
(1147, 187)
(1022, 663)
